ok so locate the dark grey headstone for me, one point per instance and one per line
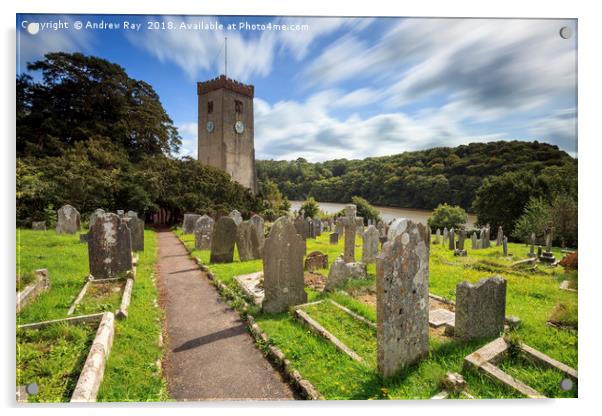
(109, 247)
(224, 238)
(300, 227)
(334, 238)
(480, 309)
(203, 231)
(283, 268)
(258, 222)
(500, 236)
(316, 260)
(136, 226)
(402, 299)
(505, 245)
(68, 220)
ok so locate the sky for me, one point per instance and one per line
(328, 88)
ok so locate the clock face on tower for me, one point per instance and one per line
(239, 127)
(210, 126)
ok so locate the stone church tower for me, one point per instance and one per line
(225, 138)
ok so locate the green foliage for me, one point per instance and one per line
(422, 179)
(310, 208)
(534, 219)
(564, 215)
(365, 210)
(447, 216)
(279, 204)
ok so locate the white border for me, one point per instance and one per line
(589, 156)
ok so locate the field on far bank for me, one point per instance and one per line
(532, 295)
(131, 373)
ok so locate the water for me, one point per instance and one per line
(386, 213)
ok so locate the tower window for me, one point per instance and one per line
(238, 106)
(209, 107)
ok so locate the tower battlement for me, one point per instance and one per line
(227, 83)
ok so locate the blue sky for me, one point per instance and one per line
(343, 87)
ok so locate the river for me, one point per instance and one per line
(386, 213)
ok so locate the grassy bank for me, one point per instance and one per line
(532, 296)
(131, 373)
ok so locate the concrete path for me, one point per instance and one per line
(210, 355)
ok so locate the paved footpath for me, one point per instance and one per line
(210, 355)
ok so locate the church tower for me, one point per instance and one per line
(225, 135)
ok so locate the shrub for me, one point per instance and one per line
(448, 216)
(365, 210)
(310, 208)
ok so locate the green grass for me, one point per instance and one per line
(531, 295)
(24, 279)
(53, 358)
(101, 297)
(131, 373)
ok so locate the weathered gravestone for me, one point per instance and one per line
(38, 225)
(500, 236)
(203, 232)
(340, 272)
(452, 239)
(532, 246)
(189, 222)
(258, 222)
(539, 252)
(317, 227)
(437, 236)
(402, 300)
(370, 244)
(459, 251)
(480, 309)
(283, 268)
(120, 213)
(445, 235)
(316, 260)
(309, 228)
(475, 242)
(349, 224)
(109, 247)
(300, 227)
(96, 213)
(505, 245)
(236, 216)
(397, 227)
(380, 226)
(334, 238)
(136, 226)
(68, 220)
(131, 214)
(246, 241)
(486, 237)
(223, 240)
(359, 226)
(548, 256)
(339, 226)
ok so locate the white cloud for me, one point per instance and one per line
(189, 133)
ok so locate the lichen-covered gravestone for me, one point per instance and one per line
(246, 241)
(340, 272)
(402, 299)
(445, 235)
(505, 245)
(109, 247)
(438, 236)
(236, 216)
(203, 231)
(532, 246)
(316, 260)
(258, 222)
(475, 242)
(136, 226)
(349, 226)
(96, 213)
(317, 227)
(68, 220)
(283, 268)
(370, 244)
(452, 239)
(189, 222)
(223, 240)
(500, 236)
(300, 227)
(480, 309)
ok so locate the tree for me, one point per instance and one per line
(310, 208)
(535, 219)
(564, 217)
(365, 210)
(448, 216)
(81, 97)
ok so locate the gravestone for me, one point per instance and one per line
(380, 226)
(396, 228)
(402, 300)
(430, 233)
(505, 245)
(461, 239)
(223, 240)
(258, 222)
(189, 222)
(131, 214)
(475, 242)
(309, 228)
(120, 213)
(68, 220)
(236, 216)
(317, 227)
(547, 256)
(340, 272)
(532, 246)
(338, 227)
(370, 244)
(136, 226)
(246, 241)
(349, 224)
(38, 225)
(437, 236)
(480, 309)
(445, 235)
(452, 239)
(97, 212)
(334, 238)
(316, 260)
(539, 252)
(203, 231)
(486, 237)
(500, 236)
(283, 268)
(300, 226)
(109, 247)
(359, 226)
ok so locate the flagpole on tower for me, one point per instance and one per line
(226, 57)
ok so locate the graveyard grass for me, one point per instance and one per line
(532, 296)
(131, 373)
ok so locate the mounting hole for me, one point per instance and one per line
(32, 388)
(566, 32)
(566, 384)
